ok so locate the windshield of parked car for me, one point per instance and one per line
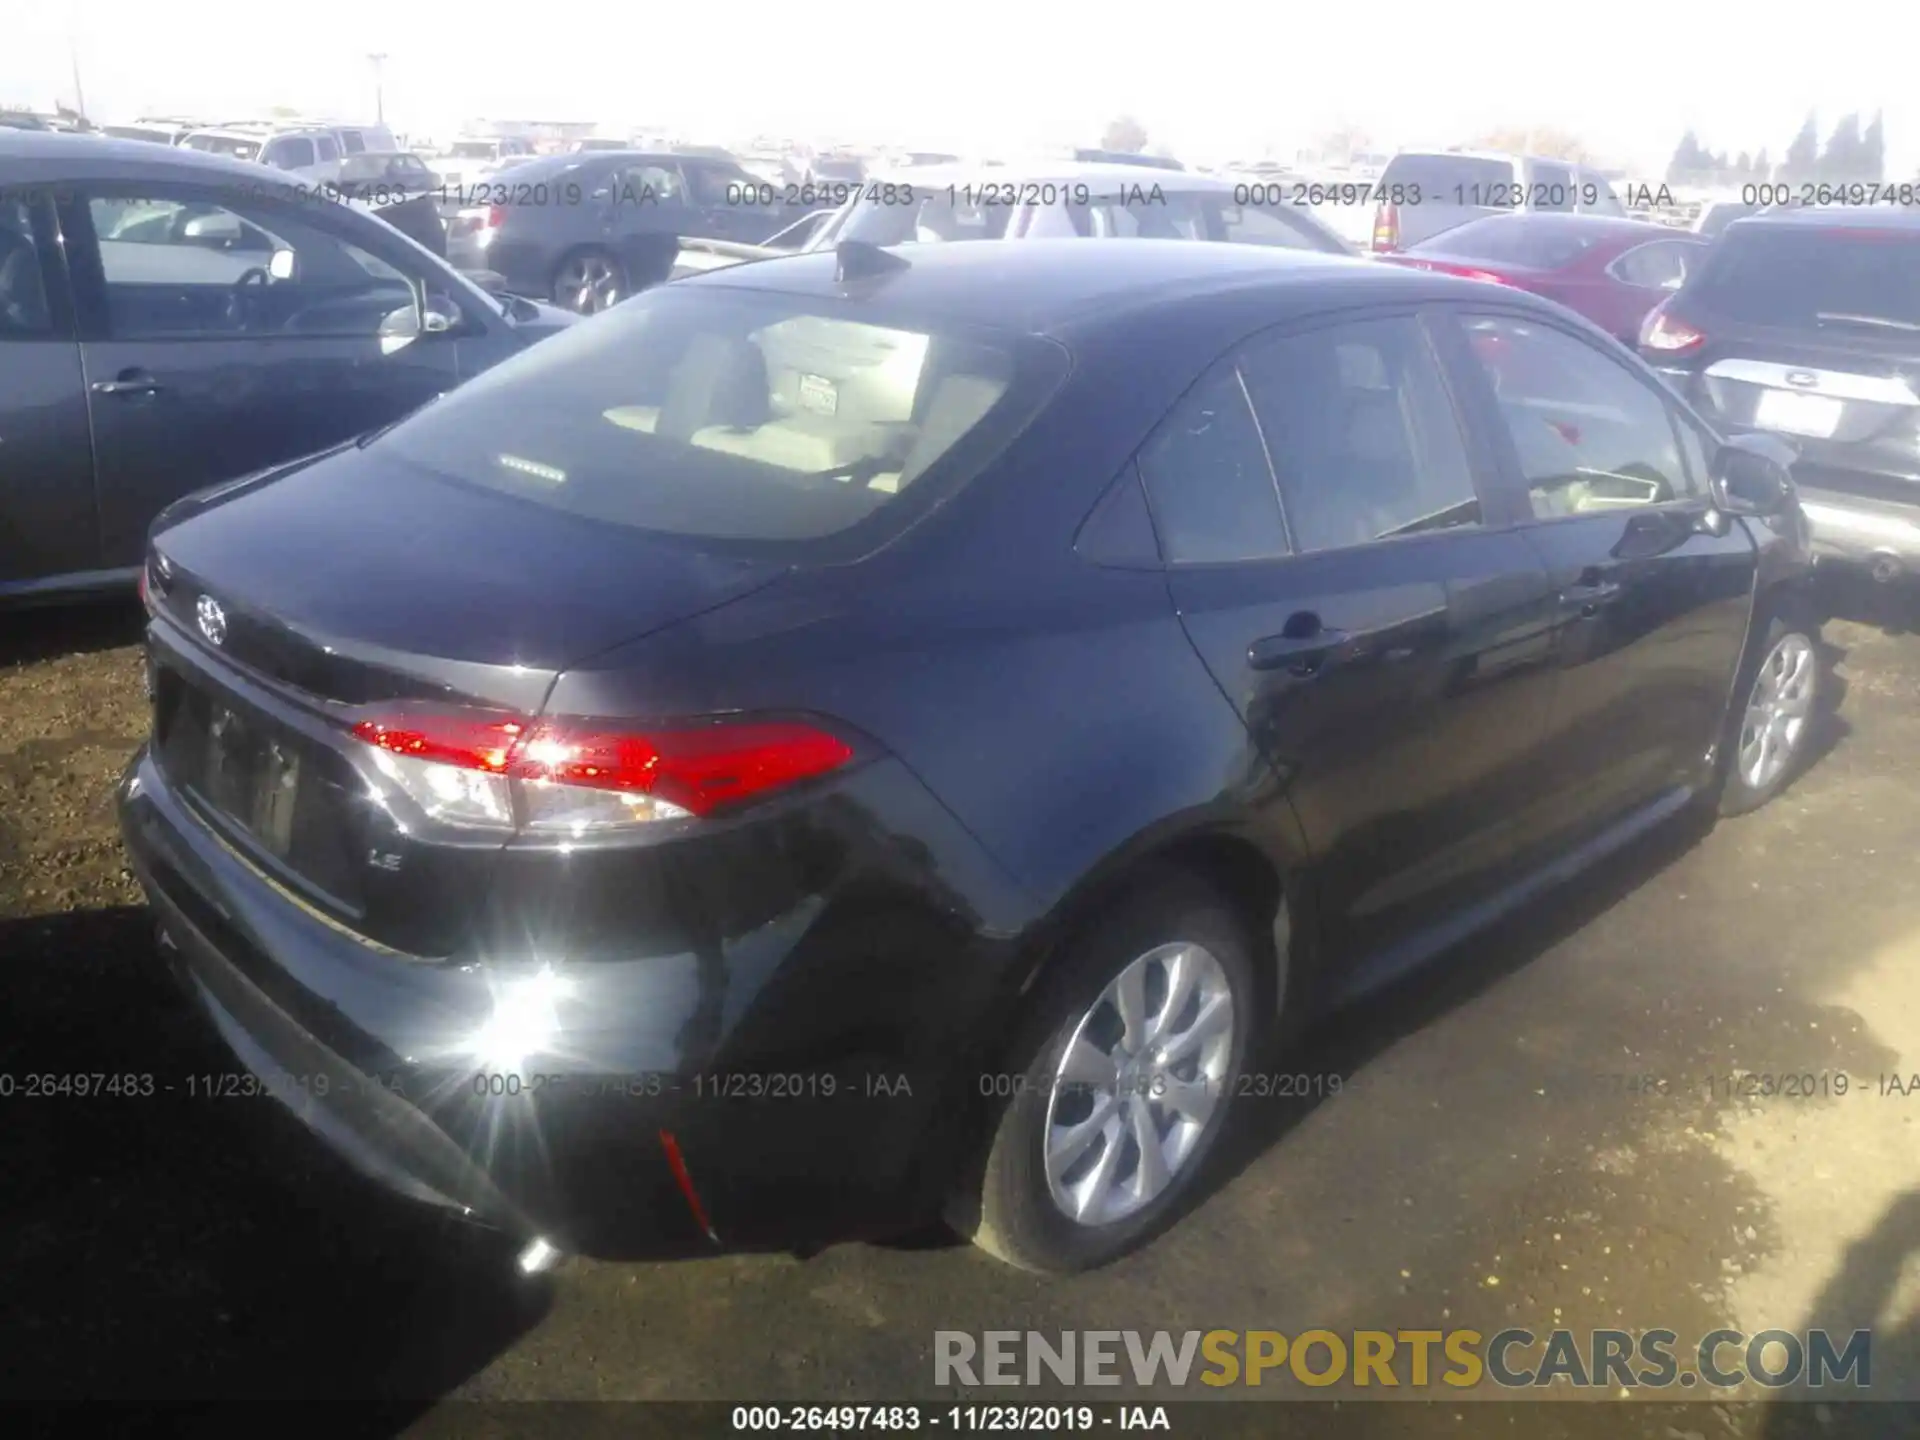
(1150, 210)
(1449, 179)
(1814, 277)
(1512, 240)
(232, 145)
(734, 415)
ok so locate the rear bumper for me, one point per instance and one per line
(787, 1131)
(1857, 530)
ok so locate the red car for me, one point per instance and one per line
(1610, 271)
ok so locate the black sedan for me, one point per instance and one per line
(876, 734)
(170, 320)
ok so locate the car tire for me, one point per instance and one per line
(589, 280)
(1776, 711)
(1014, 1204)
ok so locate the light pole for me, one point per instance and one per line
(379, 96)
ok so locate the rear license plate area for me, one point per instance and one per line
(1816, 416)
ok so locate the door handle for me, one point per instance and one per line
(1305, 655)
(128, 382)
(1590, 594)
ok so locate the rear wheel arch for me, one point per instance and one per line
(1251, 876)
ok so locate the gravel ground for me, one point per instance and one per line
(1480, 1167)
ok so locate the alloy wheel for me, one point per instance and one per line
(588, 284)
(1779, 709)
(1138, 1084)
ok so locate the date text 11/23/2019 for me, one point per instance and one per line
(1033, 1419)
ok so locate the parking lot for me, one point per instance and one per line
(1488, 1160)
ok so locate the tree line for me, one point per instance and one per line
(1851, 155)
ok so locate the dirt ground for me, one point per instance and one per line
(1483, 1165)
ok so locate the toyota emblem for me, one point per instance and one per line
(213, 620)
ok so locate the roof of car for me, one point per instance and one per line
(1096, 174)
(37, 154)
(1550, 223)
(1041, 285)
(1469, 154)
(1838, 217)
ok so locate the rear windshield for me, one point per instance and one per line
(1512, 239)
(224, 145)
(736, 415)
(1809, 278)
(475, 149)
(1437, 175)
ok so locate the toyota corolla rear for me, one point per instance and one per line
(524, 911)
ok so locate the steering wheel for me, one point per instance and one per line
(239, 298)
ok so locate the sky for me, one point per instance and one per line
(1209, 79)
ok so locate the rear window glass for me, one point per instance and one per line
(1513, 239)
(1436, 175)
(476, 149)
(1810, 278)
(735, 415)
(224, 145)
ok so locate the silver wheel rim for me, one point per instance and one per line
(1778, 709)
(1138, 1084)
(588, 285)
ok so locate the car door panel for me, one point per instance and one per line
(194, 380)
(1653, 591)
(48, 522)
(1397, 687)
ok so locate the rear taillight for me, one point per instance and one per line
(1386, 226)
(146, 600)
(563, 777)
(496, 216)
(1660, 331)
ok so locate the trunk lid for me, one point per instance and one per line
(359, 576)
(354, 579)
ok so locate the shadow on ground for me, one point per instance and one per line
(163, 1246)
(46, 634)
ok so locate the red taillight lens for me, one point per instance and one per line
(471, 770)
(496, 216)
(1660, 331)
(470, 744)
(696, 770)
(1386, 227)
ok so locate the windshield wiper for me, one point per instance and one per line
(1874, 322)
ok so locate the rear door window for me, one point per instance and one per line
(1849, 281)
(354, 145)
(1362, 432)
(1208, 480)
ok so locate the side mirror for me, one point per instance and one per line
(1753, 475)
(400, 328)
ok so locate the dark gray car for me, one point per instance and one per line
(170, 320)
(588, 230)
